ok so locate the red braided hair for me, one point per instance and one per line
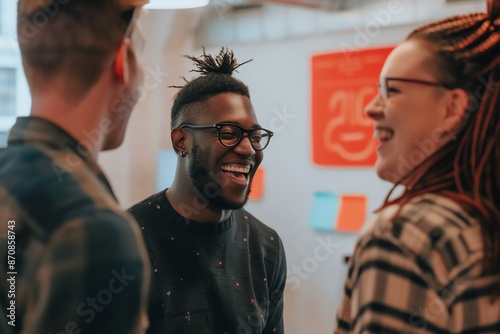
(467, 49)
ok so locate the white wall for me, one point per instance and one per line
(279, 80)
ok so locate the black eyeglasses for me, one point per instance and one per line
(384, 89)
(231, 134)
(134, 32)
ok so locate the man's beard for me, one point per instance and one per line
(208, 187)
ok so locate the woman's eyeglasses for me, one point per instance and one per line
(385, 91)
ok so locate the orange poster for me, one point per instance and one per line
(342, 85)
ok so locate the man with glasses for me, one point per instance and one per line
(216, 268)
(72, 260)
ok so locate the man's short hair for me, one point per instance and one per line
(72, 38)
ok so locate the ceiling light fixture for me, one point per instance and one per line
(175, 4)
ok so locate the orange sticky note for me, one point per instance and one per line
(352, 213)
(257, 192)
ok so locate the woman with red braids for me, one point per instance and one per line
(430, 261)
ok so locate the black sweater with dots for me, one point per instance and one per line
(217, 278)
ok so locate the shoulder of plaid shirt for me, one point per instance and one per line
(80, 260)
(421, 272)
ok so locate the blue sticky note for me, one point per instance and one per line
(167, 162)
(324, 211)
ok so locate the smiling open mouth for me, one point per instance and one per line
(383, 134)
(240, 172)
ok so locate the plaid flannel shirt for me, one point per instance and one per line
(420, 273)
(78, 262)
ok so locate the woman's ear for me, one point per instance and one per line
(456, 109)
(178, 140)
(120, 64)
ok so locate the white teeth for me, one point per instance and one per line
(236, 168)
(383, 134)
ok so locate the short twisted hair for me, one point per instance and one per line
(216, 77)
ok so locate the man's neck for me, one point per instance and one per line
(76, 127)
(78, 118)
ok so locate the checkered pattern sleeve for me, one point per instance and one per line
(91, 275)
(419, 272)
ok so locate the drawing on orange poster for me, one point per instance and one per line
(342, 85)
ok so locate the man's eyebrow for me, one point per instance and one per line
(254, 126)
